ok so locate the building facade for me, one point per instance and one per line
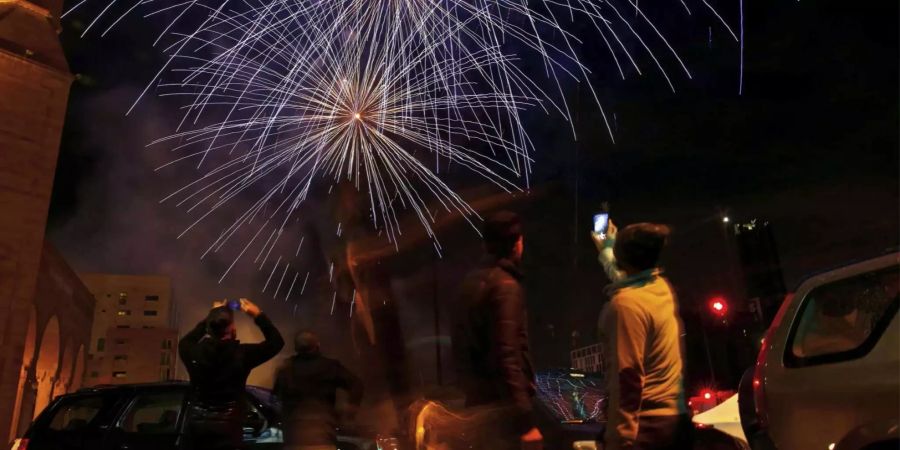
(133, 338)
(761, 267)
(34, 89)
(134, 355)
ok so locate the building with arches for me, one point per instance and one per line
(58, 334)
(43, 306)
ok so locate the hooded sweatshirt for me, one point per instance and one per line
(640, 329)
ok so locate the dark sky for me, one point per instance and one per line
(811, 146)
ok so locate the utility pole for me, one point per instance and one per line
(437, 320)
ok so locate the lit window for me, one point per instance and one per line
(124, 312)
(120, 374)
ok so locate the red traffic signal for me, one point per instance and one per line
(718, 306)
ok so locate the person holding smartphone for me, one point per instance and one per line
(218, 365)
(641, 330)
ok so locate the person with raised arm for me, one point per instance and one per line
(218, 365)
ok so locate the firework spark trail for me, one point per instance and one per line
(284, 94)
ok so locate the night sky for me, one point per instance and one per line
(811, 146)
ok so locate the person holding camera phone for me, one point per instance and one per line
(218, 365)
(641, 329)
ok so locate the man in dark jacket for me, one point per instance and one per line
(218, 365)
(491, 340)
(307, 385)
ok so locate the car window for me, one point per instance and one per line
(266, 397)
(843, 320)
(154, 413)
(73, 414)
(571, 396)
(254, 419)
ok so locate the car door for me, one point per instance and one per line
(74, 422)
(151, 421)
(838, 364)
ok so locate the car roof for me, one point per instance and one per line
(881, 262)
(884, 258)
(145, 386)
(133, 386)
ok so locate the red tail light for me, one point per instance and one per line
(759, 387)
(759, 372)
(20, 444)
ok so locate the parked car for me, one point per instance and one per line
(724, 417)
(148, 417)
(570, 408)
(827, 373)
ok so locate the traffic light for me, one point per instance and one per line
(718, 307)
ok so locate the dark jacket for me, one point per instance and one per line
(491, 341)
(307, 386)
(219, 369)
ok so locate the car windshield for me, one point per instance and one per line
(265, 396)
(571, 396)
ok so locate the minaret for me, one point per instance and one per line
(34, 89)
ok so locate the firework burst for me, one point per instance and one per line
(385, 94)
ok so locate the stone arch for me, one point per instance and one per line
(78, 374)
(64, 377)
(47, 365)
(25, 393)
(30, 339)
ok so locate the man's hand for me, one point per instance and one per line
(532, 440)
(219, 303)
(602, 240)
(250, 308)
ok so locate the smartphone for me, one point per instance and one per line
(233, 305)
(601, 223)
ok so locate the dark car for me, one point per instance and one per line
(147, 417)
